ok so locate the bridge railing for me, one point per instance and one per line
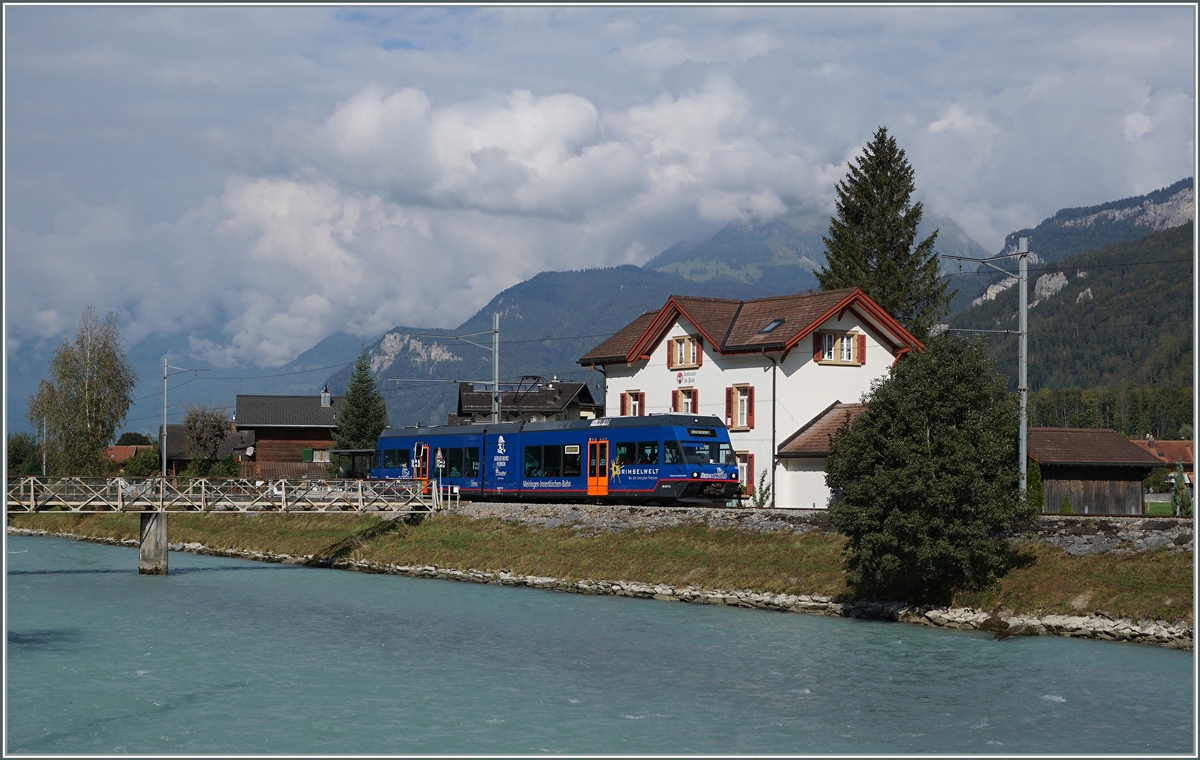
(95, 495)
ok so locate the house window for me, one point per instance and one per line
(841, 348)
(321, 455)
(633, 404)
(739, 407)
(685, 401)
(745, 465)
(685, 352)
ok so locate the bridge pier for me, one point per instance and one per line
(152, 548)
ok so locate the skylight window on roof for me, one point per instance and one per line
(771, 326)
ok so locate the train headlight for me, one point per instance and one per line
(695, 474)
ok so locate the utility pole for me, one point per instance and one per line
(1023, 371)
(162, 436)
(43, 445)
(496, 367)
(1022, 256)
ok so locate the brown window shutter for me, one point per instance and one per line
(862, 348)
(749, 474)
(750, 406)
(818, 349)
(699, 350)
(624, 404)
(695, 401)
(642, 404)
(674, 401)
(670, 354)
(729, 406)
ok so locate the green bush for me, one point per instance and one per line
(145, 463)
(1065, 507)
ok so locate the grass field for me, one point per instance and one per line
(1154, 584)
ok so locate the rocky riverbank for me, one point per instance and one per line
(1075, 535)
(1003, 623)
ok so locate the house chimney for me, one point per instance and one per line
(1150, 439)
(325, 397)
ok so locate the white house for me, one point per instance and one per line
(781, 370)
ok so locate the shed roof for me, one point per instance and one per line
(286, 411)
(813, 439)
(1096, 447)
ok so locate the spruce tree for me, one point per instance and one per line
(1034, 495)
(870, 242)
(363, 415)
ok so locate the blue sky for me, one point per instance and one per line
(251, 179)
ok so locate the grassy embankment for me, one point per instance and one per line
(1154, 584)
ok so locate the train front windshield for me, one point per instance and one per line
(692, 452)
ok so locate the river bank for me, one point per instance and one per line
(772, 561)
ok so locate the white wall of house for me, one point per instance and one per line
(801, 479)
(804, 388)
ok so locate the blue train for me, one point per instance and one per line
(662, 459)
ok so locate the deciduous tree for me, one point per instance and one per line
(871, 239)
(86, 397)
(205, 429)
(927, 475)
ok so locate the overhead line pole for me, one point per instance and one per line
(495, 349)
(1022, 256)
(163, 433)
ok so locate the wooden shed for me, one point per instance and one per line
(1099, 470)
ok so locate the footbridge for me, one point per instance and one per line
(156, 498)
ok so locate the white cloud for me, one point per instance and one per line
(283, 173)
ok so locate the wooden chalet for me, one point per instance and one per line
(293, 434)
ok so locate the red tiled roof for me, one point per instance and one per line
(1169, 452)
(616, 348)
(730, 326)
(1087, 446)
(814, 438)
(121, 453)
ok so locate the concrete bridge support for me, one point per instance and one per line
(152, 550)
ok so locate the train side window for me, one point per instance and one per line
(647, 452)
(672, 453)
(625, 453)
(470, 462)
(571, 461)
(454, 462)
(533, 461)
(552, 461)
(396, 458)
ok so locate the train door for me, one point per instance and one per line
(597, 479)
(420, 461)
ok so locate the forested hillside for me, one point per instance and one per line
(1072, 231)
(1111, 336)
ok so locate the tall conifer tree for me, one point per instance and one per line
(364, 412)
(870, 242)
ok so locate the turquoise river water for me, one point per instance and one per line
(230, 656)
